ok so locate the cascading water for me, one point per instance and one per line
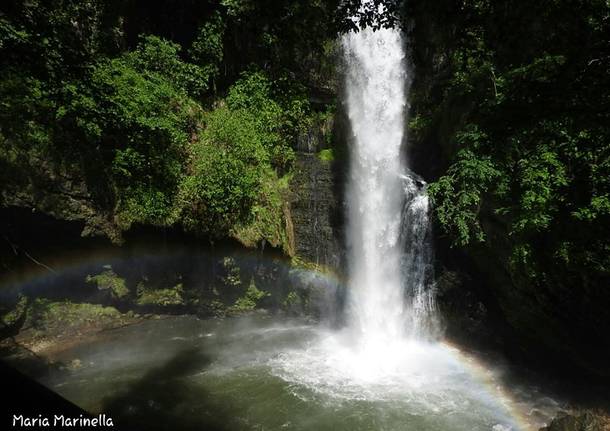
(388, 226)
(416, 263)
(389, 354)
(390, 291)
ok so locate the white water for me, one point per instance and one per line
(388, 226)
(386, 347)
(389, 350)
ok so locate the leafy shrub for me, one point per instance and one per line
(161, 297)
(458, 195)
(249, 300)
(233, 185)
(139, 119)
(533, 160)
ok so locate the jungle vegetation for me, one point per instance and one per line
(185, 114)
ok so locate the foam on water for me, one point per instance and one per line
(424, 378)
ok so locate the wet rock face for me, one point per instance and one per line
(315, 212)
(317, 206)
(465, 317)
(66, 194)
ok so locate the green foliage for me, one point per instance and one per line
(252, 94)
(541, 178)
(56, 40)
(418, 123)
(108, 280)
(24, 110)
(531, 151)
(46, 315)
(281, 106)
(233, 276)
(473, 65)
(132, 110)
(207, 48)
(327, 155)
(266, 220)
(96, 99)
(233, 185)
(237, 7)
(249, 300)
(457, 196)
(296, 112)
(155, 55)
(10, 34)
(160, 297)
(227, 165)
(292, 300)
(14, 313)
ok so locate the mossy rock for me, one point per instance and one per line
(249, 301)
(161, 297)
(296, 303)
(587, 421)
(11, 317)
(327, 155)
(108, 280)
(45, 315)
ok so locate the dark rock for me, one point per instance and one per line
(316, 294)
(316, 206)
(314, 211)
(588, 421)
(62, 194)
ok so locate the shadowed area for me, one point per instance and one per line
(163, 399)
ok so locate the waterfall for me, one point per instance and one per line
(385, 347)
(389, 254)
(388, 353)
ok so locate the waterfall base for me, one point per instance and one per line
(260, 373)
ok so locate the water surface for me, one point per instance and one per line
(260, 373)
